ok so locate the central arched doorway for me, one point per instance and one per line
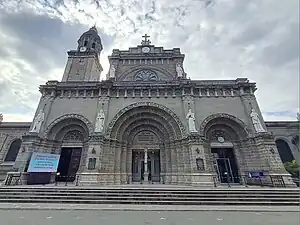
(146, 135)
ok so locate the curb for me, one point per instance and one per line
(154, 208)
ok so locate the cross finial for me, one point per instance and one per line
(145, 41)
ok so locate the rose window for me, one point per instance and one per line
(146, 75)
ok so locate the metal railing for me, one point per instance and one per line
(267, 180)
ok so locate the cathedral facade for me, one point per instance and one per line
(147, 122)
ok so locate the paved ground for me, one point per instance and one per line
(74, 217)
(136, 207)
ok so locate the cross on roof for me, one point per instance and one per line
(145, 36)
(146, 41)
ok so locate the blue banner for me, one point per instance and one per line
(43, 162)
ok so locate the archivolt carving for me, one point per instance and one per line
(131, 121)
(212, 117)
(150, 104)
(156, 128)
(69, 116)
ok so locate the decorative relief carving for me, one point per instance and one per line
(69, 116)
(73, 136)
(216, 134)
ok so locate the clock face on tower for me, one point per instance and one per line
(145, 49)
(82, 49)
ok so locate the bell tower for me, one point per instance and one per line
(84, 63)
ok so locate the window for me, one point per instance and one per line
(93, 45)
(200, 164)
(13, 151)
(92, 164)
(85, 43)
(146, 75)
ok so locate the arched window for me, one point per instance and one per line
(13, 151)
(93, 45)
(284, 150)
(85, 43)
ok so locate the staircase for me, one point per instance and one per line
(151, 195)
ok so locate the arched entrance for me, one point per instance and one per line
(224, 133)
(147, 133)
(284, 150)
(70, 135)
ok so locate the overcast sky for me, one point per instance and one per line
(222, 39)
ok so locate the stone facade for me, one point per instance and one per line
(138, 121)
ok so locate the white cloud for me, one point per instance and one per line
(222, 39)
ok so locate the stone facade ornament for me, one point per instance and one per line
(256, 122)
(191, 121)
(37, 122)
(99, 126)
(112, 71)
(179, 70)
(1, 117)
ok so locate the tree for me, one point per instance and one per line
(293, 168)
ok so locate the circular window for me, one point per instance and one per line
(146, 75)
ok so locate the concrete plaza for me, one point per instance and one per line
(79, 217)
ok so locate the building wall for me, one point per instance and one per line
(286, 131)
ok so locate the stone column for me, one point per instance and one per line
(174, 164)
(123, 164)
(117, 167)
(146, 173)
(129, 165)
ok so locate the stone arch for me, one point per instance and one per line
(13, 150)
(284, 150)
(66, 123)
(152, 110)
(233, 126)
(136, 69)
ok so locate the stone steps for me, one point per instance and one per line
(159, 196)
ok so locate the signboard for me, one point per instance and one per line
(43, 162)
(256, 174)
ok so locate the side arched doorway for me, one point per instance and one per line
(13, 150)
(146, 136)
(224, 134)
(70, 136)
(284, 151)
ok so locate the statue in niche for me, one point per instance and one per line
(256, 122)
(179, 70)
(99, 126)
(112, 71)
(37, 122)
(191, 121)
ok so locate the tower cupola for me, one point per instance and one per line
(90, 41)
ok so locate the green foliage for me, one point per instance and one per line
(293, 168)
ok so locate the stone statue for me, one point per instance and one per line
(112, 71)
(298, 116)
(1, 117)
(37, 122)
(99, 126)
(256, 122)
(191, 121)
(179, 70)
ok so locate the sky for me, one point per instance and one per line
(222, 39)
